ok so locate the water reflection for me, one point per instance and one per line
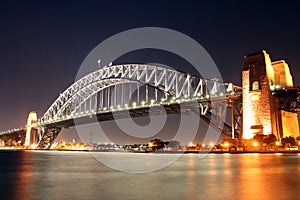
(24, 179)
(267, 177)
(61, 175)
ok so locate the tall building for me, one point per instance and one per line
(261, 114)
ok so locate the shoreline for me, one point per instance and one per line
(160, 152)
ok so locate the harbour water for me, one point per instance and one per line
(78, 175)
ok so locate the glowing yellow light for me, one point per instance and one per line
(191, 144)
(277, 143)
(150, 144)
(255, 144)
(226, 144)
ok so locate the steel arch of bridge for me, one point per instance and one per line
(172, 83)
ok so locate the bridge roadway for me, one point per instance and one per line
(169, 107)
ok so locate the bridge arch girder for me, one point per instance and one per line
(164, 79)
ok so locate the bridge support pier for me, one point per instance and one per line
(262, 79)
(31, 133)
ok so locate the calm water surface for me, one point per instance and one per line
(77, 175)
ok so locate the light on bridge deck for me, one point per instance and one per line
(134, 104)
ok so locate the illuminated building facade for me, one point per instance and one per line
(260, 78)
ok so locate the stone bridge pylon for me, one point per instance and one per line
(262, 80)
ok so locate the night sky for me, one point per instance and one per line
(42, 44)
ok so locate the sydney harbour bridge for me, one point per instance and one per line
(137, 90)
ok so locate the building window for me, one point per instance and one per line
(255, 85)
(271, 82)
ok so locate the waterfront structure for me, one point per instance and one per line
(267, 102)
(132, 90)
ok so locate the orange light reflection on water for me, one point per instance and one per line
(24, 182)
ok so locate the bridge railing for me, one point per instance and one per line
(12, 131)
